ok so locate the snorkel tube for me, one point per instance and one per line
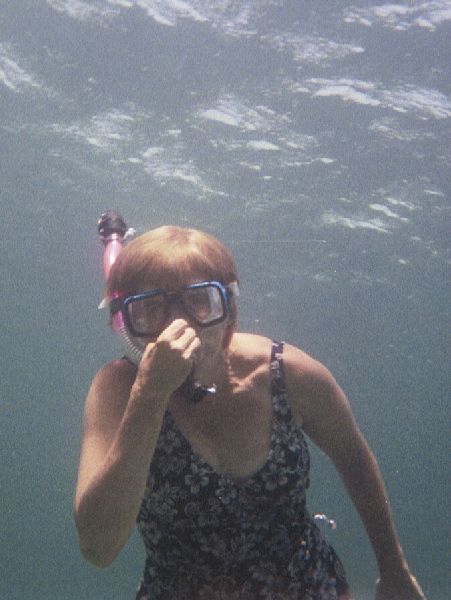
(113, 231)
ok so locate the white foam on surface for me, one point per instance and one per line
(232, 17)
(332, 218)
(387, 211)
(12, 75)
(311, 49)
(402, 17)
(105, 131)
(415, 100)
(262, 145)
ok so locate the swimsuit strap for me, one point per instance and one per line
(276, 369)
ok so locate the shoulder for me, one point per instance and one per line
(313, 392)
(250, 356)
(110, 390)
(253, 350)
(257, 349)
(303, 370)
(115, 374)
(319, 404)
(250, 345)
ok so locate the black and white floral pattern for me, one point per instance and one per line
(208, 537)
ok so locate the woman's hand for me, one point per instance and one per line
(405, 587)
(167, 362)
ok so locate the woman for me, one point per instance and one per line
(201, 443)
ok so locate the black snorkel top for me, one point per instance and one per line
(111, 226)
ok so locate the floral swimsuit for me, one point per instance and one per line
(209, 537)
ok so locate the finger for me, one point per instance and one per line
(174, 330)
(188, 336)
(191, 349)
(181, 342)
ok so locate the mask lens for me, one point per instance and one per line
(205, 304)
(147, 315)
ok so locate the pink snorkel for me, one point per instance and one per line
(113, 231)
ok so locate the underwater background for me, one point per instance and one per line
(313, 139)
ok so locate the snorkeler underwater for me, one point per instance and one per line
(197, 436)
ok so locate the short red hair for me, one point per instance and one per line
(168, 257)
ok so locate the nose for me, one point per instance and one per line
(176, 311)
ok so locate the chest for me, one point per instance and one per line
(233, 435)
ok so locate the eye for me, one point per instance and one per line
(198, 302)
(146, 313)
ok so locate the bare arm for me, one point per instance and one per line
(323, 411)
(123, 416)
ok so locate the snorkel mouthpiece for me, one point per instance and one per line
(193, 391)
(113, 231)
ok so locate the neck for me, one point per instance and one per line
(214, 371)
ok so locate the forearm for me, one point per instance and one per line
(362, 478)
(108, 499)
